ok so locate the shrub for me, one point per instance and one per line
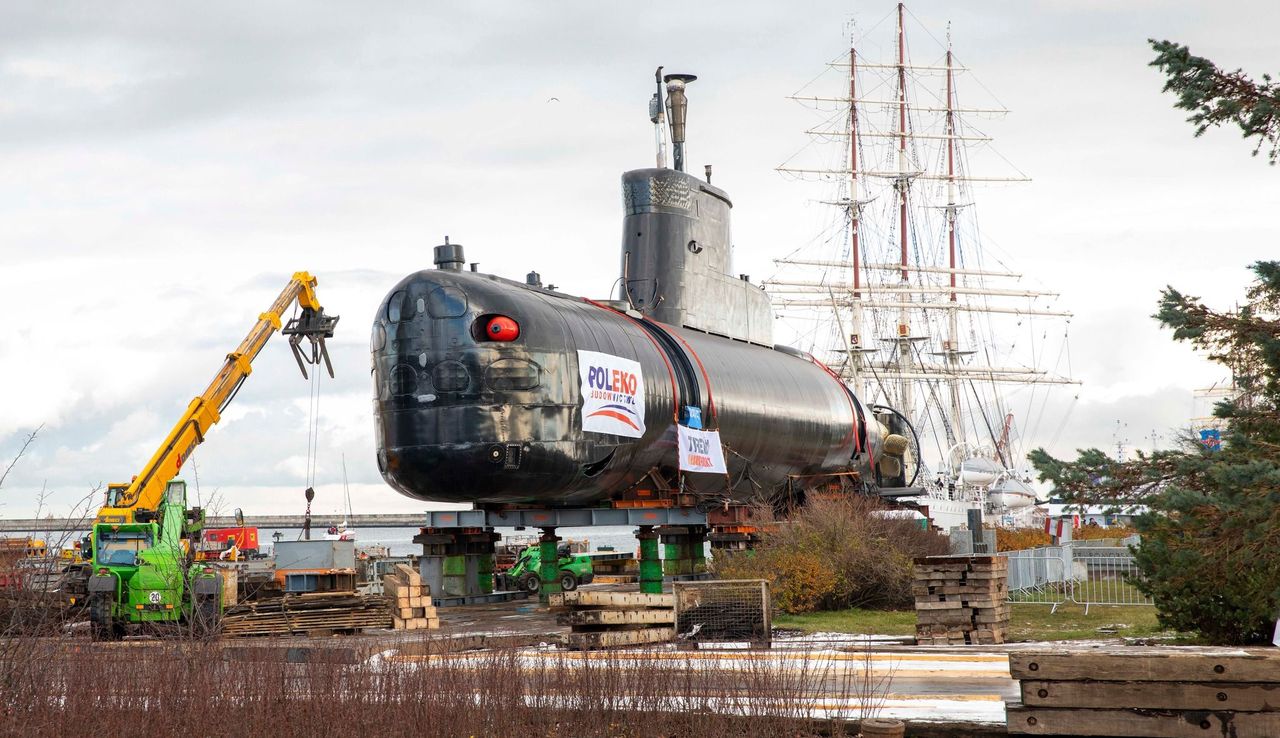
(1093, 532)
(837, 554)
(1018, 539)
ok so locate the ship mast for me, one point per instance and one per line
(902, 184)
(855, 214)
(952, 346)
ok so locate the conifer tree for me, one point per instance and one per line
(1215, 97)
(1210, 550)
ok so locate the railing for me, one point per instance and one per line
(1080, 574)
(1037, 576)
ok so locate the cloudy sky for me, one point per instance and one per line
(164, 167)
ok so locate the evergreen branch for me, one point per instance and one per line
(1215, 96)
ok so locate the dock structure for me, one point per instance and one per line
(458, 545)
(387, 520)
(425, 519)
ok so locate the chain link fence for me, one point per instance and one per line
(724, 610)
(1081, 572)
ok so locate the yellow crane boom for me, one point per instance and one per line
(138, 499)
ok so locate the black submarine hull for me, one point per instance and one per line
(462, 418)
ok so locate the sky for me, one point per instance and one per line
(165, 167)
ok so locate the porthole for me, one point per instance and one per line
(394, 305)
(446, 302)
(512, 374)
(404, 380)
(450, 376)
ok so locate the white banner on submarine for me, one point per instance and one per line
(700, 450)
(612, 394)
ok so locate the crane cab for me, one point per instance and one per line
(112, 511)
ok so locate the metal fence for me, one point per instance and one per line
(723, 610)
(1080, 574)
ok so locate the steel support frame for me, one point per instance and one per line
(563, 517)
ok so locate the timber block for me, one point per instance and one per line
(578, 598)
(614, 638)
(1138, 723)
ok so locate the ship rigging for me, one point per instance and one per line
(916, 310)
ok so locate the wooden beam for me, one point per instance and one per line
(612, 638)
(611, 599)
(1024, 720)
(1157, 695)
(618, 617)
(1255, 665)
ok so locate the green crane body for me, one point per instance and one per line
(140, 571)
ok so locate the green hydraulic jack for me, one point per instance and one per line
(684, 549)
(549, 564)
(650, 564)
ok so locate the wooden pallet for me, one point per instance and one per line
(409, 599)
(960, 599)
(613, 619)
(308, 614)
(1147, 692)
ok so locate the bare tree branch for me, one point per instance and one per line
(31, 437)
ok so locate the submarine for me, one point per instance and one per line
(501, 392)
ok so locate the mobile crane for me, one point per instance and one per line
(140, 552)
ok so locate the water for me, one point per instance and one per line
(399, 541)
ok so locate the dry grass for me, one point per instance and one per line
(73, 687)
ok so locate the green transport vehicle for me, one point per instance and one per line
(142, 573)
(575, 569)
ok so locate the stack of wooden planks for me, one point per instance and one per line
(610, 619)
(615, 568)
(961, 599)
(409, 599)
(312, 613)
(1154, 691)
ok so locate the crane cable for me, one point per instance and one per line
(313, 430)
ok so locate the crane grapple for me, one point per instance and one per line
(315, 326)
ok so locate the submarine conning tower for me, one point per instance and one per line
(676, 244)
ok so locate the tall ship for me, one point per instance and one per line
(899, 293)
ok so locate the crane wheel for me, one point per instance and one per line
(531, 583)
(102, 624)
(206, 617)
(568, 582)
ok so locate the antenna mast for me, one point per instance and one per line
(658, 116)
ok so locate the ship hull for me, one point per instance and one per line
(460, 418)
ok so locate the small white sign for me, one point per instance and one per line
(700, 450)
(612, 394)
(154, 597)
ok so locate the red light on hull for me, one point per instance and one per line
(502, 328)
